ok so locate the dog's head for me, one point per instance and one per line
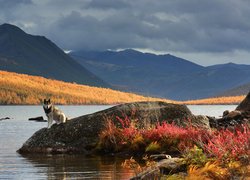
(47, 104)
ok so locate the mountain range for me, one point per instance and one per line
(164, 76)
(36, 55)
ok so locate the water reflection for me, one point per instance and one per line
(78, 167)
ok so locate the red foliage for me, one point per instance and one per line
(222, 144)
(124, 122)
(164, 130)
(229, 145)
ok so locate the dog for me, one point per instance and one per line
(53, 113)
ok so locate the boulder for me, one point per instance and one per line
(6, 118)
(172, 165)
(232, 119)
(244, 106)
(81, 134)
(163, 167)
(38, 119)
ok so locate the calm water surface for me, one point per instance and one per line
(14, 132)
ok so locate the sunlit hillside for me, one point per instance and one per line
(25, 89)
(217, 100)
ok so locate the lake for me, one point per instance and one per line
(15, 131)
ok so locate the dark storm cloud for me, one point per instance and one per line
(13, 3)
(193, 26)
(87, 32)
(108, 4)
(188, 26)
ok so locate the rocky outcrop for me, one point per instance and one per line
(231, 119)
(244, 106)
(81, 134)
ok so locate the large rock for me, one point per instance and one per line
(6, 118)
(231, 119)
(81, 134)
(244, 106)
(163, 167)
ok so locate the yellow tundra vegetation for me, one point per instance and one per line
(217, 100)
(25, 89)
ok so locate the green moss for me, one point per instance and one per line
(153, 147)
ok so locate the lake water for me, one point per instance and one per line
(14, 132)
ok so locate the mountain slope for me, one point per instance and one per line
(239, 90)
(164, 76)
(36, 55)
(25, 89)
(145, 73)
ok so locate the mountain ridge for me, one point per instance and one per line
(36, 55)
(164, 76)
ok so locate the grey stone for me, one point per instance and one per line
(81, 134)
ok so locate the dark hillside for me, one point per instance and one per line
(36, 55)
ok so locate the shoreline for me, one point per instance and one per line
(103, 104)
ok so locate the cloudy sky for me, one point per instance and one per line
(203, 31)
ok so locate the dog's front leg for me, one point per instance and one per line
(50, 121)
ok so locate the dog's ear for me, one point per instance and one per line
(49, 100)
(44, 101)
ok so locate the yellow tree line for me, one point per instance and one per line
(26, 89)
(217, 100)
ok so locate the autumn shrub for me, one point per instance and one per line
(132, 164)
(164, 130)
(153, 147)
(195, 156)
(209, 154)
(178, 138)
(211, 170)
(226, 145)
(138, 143)
(137, 167)
(194, 143)
(110, 137)
(238, 169)
(166, 137)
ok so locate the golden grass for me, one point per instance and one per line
(25, 89)
(217, 100)
(211, 170)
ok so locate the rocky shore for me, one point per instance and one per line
(82, 134)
